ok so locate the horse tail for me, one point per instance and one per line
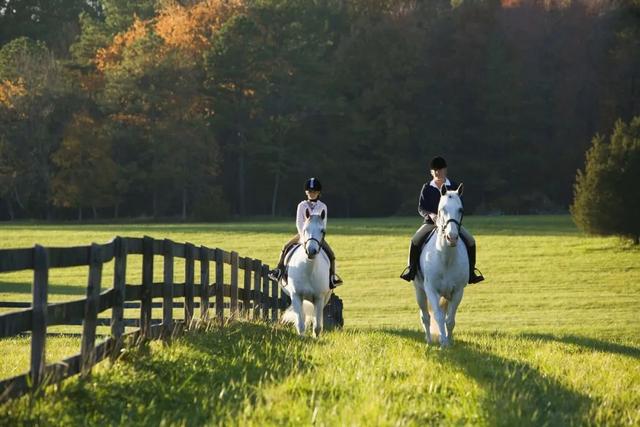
(433, 325)
(289, 316)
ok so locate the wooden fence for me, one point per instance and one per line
(259, 298)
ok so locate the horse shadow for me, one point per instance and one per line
(517, 393)
(587, 343)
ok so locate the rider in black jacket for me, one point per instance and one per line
(428, 209)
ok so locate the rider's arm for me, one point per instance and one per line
(300, 218)
(423, 205)
(326, 215)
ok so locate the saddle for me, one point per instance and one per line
(287, 257)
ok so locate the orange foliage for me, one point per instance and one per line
(186, 29)
(111, 55)
(190, 28)
(10, 91)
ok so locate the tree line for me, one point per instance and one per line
(206, 109)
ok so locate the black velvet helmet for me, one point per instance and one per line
(313, 184)
(437, 163)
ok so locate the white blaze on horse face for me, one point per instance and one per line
(450, 212)
(312, 235)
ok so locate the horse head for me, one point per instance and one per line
(450, 214)
(313, 233)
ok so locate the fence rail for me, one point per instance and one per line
(258, 298)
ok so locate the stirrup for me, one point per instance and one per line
(275, 275)
(335, 281)
(408, 274)
(475, 278)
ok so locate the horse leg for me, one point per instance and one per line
(319, 317)
(451, 312)
(438, 314)
(421, 299)
(296, 303)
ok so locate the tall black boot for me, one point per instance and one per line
(334, 279)
(473, 277)
(410, 272)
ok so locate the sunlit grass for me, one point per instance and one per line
(550, 338)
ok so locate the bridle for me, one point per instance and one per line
(313, 239)
(442, 227)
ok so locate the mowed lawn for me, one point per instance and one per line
(552, 337)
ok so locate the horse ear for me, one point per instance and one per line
(323, 214)
(307, 214)
(460, 188)
(443, 189)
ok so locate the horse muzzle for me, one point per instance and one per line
(451, 240)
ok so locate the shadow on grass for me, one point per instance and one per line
(587, 343)
(535, 225)
(516, 392)
(202, 378)
(25, 288)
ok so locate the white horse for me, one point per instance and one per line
(444, 270)
(307, 282)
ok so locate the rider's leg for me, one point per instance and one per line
(276, 273)
(470, 244)
(417, 241)
(334, 279)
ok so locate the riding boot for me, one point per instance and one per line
(473, 276)
(334, 279)
(276, 273)
(410, 272)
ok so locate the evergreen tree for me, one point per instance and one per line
(607, 197)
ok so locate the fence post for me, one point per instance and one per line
(234, 284)
(219, 285)
(275, 301)
(257, 276)
(39, 319)
(147, 283)
(189, 250)
(265, 292)
(119, 281)
(167, 290)
(204, 283)
(87, 358)
(246, 300)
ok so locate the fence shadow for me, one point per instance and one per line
(516, 392)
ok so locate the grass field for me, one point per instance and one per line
(552, 337)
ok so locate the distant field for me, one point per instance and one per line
(552, 337)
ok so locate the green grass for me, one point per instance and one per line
(552, 337)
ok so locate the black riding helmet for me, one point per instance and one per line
(437, 163)
(312, 184)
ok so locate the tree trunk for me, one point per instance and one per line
(10, 209)
(95, 212)
(184, 204)
(241, 172)
(116, 209)
(79, 214)
(274, 196)
(155, 204)
(636, 240)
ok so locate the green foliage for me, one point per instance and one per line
(606, 199)
(252, 97)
